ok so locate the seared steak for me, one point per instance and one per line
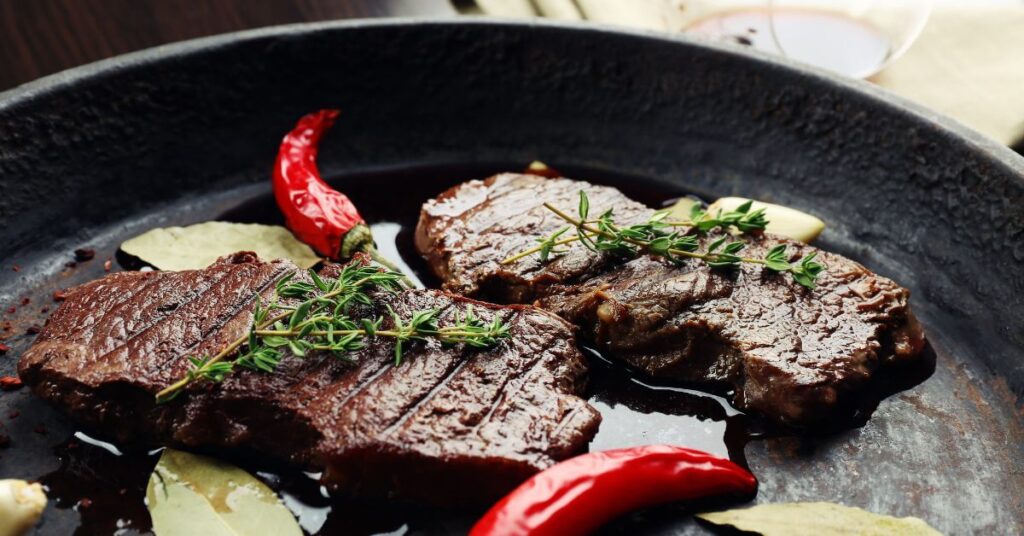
(449, 425)
(792, 354)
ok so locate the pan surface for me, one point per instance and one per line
(187, 133)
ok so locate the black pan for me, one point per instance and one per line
(188, 132)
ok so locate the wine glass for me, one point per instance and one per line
(857, 38)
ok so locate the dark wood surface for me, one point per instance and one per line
(41, 37)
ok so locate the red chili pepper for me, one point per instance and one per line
(580, 494)
(10, 383)
(319, 215)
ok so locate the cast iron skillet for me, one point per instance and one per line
(187, 132)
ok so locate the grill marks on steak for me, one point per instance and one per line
(450, 425)
(446, 415)
(468, 230)
(794, 355)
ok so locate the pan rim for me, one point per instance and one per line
(66, 80)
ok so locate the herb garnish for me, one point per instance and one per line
(321, 322)
(659, 236)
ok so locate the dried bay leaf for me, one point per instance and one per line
(817, 519)
(198, 246)
(190, 494)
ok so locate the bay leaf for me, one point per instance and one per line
(190, 494)
(817, 519)
(198, 246)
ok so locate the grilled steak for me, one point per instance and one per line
(792, 354)
(450, 425)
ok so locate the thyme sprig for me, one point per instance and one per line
(673, 240)
(742, 219)
(320, 321)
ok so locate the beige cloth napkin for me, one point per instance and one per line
(968, 63)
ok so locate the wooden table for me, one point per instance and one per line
(41, 37)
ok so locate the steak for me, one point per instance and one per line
(450, 425)
(794, 355)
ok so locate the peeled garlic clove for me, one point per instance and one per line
(559, 9)
(783, 221)
(680, 211)
(21, 504)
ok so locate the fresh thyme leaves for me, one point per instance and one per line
(320, 321)
(742, 218)
(806, 270)
(548, 245)
(419, 326)
(203, 369)
(468, 329)
(673, 240)
(471, 330)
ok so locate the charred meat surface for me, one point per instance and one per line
(450, 425)
(794, 355)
